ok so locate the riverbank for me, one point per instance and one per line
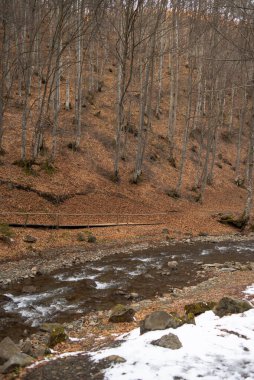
(36, 262)
(97, 332)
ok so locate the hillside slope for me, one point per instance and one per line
(81, 182)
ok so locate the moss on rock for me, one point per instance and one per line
(232, 220)
(57, 335)
(121, 313)
(198, 308)
(228, 306)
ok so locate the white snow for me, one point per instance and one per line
(249, 290)
(57, 356)
(215, 348)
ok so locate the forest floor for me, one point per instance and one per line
(184, 220)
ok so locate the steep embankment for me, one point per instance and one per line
(80, 182)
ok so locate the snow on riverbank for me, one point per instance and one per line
(215, 348)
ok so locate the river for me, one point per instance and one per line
(67, 294)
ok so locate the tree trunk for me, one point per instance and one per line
(186, 135)
(240, 131)
(78, 103)
(249, 199)
(174, 79)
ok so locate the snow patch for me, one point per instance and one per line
(214, 348)
(249, 290)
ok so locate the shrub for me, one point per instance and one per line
(114, 177)
(172, 193)
(48, 167)
(6, 233)
(73, 146)
(27, 165)
(81, 237)
(5, 230)
(227, 136)
(91, 239)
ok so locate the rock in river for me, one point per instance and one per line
(173, 265)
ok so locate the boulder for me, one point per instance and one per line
(158, 320)
(148, 276)
(231, 220)
(133, 296)
(6, 239)
(198, 308)
(115, 359)
(40, 350)
(27, 348)
(28, 289)
(188, 318)
(97, 113)
(228, 306)
(16, 361)
(4, 298)
(161, 320)
(35, 270)
(120, 292)
(166, 273)
(56, 331)
(168, 341)
(172, 264)
(29, 239)
(7, 349)
(121, 313)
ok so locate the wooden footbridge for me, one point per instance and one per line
(55, 220)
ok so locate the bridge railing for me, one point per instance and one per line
(56, 219)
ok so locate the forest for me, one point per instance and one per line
(186, 65)
(126, 189)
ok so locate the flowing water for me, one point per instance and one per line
(70, 293)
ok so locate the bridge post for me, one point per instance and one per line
(26, 219)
